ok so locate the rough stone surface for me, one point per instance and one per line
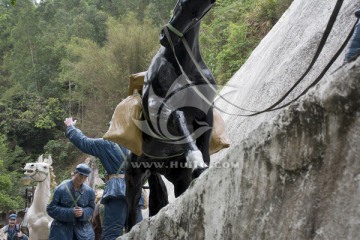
(289, 174)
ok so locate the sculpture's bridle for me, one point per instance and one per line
(39, 171)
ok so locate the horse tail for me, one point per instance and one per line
(158, 197)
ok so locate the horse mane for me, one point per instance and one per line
(53, 183)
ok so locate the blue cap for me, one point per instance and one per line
(13, 216)
(83, 169)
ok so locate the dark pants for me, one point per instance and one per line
(115, 211)
(139, 215)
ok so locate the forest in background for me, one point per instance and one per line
(62, 58)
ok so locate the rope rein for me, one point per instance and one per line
(332, 60)
(321, 45)
(39, 171)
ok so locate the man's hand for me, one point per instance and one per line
(78, 211)
(69, 121)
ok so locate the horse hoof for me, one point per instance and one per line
(198, 171)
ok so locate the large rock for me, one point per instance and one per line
(289, 174)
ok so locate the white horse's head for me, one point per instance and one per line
(39, 170)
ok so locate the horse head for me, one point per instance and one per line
(39, 170)
(186, 14)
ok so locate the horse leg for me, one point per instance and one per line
(181, 178)
(158, 197)
(203, 142)
(194, 157)
(134, 181)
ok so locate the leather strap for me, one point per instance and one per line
(116, 176)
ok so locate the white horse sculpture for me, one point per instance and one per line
(37, 218)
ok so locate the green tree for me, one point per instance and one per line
(7, 22)
(159, 11)
(39, 36)
(233, 28)
(22, 60)
(97, 76)
(9, 197)
(29, 121)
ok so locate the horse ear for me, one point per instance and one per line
(40, 159)
(48, 160)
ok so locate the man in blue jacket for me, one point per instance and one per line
(12, 230)
(112, 157)
(72, 207)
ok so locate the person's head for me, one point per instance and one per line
(12, 219)
(81, 172)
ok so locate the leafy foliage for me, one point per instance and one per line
(8, 200)
(30, 121)
(97, 77)
(233, 29)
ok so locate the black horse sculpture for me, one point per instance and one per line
(177, 99)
